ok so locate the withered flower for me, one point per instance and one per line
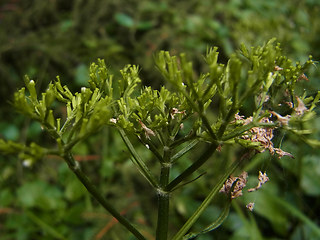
(290, 104)
(277, 68)
(263, 135)
(301, 108)
(263, 178)
(282, 120)
(260, 134)
(175, 111)
(303, 77)
(250, 206)
(240, 184)
(147, 130)
(282, 153)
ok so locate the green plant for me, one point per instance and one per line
(202, 111)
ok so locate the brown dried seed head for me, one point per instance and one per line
(283, 120)
(303, 77)
(250, 206)
(301, 108)
(290, 104)
(282, 153)
(240, 184)
(277, 68)
(263, 178)
(147, 131)
(259, 134)
(175, 111)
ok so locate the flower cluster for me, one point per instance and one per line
(240, 183)
(264, 135)
(263, 178)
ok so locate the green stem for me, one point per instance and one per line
(183, 151)
(163, 197)
(206, 201)
(199, 109)
(227, 120)
(74, 166)
(208, 126)
(142, 167)
(163, 207)
(197, 164)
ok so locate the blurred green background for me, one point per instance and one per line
(45, 38)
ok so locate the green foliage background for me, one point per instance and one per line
(48, 38)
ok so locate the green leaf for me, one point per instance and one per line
(6, 197)
(310, 181)
(145, 25)
(295, 212)
(269, 209)
(39, 194)
(124, 20)
(9, 131)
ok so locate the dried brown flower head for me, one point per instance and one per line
(175, 111)
(301, 108)
(282, 153)
(283, 120)
(290, 104)
(263, 135)
(263, 178)
(239, 185)
(250, 206)
(303, 77)
(277, 68)
(147, 130)
(259, 134)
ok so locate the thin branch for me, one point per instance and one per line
(74, 166)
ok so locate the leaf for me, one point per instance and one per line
(266, 207)
(124, 20)
(310, 181)
(9, 131)
(40, 195)
(145, 25)
(295, 212)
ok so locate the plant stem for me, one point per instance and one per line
(207, 200)
(163, 208)
(163, 197)
(197, 164)
(144, 170)
(74, 166)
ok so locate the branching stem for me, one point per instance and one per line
(74, 166)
